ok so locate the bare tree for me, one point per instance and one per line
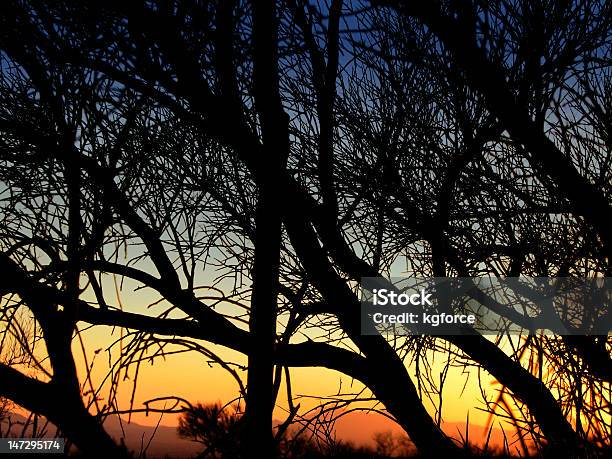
(275, 153)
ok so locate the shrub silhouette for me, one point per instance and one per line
(214, 426)
(218, 427)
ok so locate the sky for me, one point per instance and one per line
(191, 376)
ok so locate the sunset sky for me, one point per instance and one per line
(191, 376)
(255, 173)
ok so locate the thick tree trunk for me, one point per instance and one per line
(262, 325)
(61, 408)
(60, 400)
(268, 233)
(387, 376)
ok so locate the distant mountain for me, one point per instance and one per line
(161, 443)
(164, 442)
(356, 427)
(359, 428)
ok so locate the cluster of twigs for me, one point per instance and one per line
(187, 175)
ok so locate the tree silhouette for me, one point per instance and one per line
(271, 155)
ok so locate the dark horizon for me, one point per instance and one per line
(194, 193)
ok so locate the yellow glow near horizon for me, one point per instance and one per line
(192, 377)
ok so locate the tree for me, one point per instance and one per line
(304, 146)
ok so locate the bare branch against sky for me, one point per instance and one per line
(217, 177)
